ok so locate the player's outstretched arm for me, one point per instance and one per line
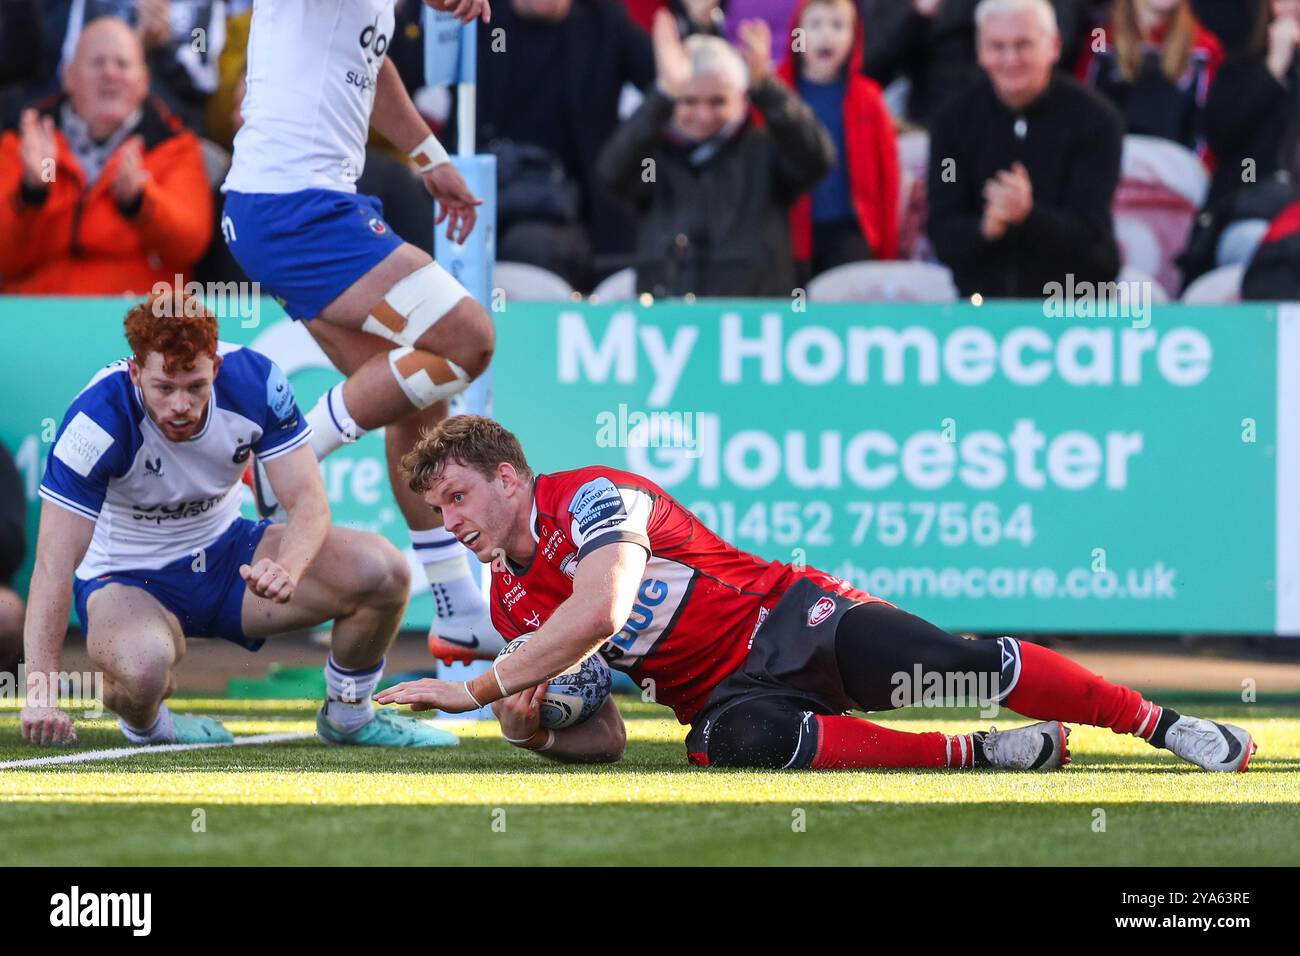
(599, 739)
(397, 119)
(295, 479)
(60, 545)
(604, 590)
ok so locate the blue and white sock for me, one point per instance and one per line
(442, 555)
(160, 732)
(462, 612)
(347, 694)
(331, 423)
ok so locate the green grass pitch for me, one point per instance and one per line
(1118, 803)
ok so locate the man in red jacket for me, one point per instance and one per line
(762, 659)
(102, 190)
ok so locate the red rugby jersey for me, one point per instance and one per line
(700, 601)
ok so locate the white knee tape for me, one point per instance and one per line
(426, 378)
(414, 305)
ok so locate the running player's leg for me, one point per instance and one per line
(362, 583)
(440, 340)
(463, 626)
(136, 643)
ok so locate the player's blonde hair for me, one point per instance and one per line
(471, 440)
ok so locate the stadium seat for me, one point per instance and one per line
(1161, 187)
(1130, 274)
(1217, 287)
(884, 282)
(618, 287)
(529, 283)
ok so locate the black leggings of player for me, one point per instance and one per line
(874, 644)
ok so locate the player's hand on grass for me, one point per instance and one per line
(37, 147)
(456, 203)
(520, 715)
(268, 580)
(464, 10)
(45, 726)
(428, 693)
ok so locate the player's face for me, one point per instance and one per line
(480, 511)
(176, 401)
(1018, 55)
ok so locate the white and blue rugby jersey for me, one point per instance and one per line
(153, 500)
(312, 70)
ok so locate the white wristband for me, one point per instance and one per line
(465, 684)
(500, 683)
(550, 739)
(428, 154)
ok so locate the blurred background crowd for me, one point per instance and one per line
(863, 149)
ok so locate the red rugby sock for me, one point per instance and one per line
(853, 743)
(1053, 687)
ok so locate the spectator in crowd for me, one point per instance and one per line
(102, 190)
(932, 44)
(1023, 165)
(1252, 124)
(1274, 270)
(551, 73)
(1254, 106)
(13, 551)
(852, 214)
(713, 186)
(1157, 64)
(182, 40)
(1231, 21)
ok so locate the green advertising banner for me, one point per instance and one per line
(992, 468)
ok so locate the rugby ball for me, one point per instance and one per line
(573, 696)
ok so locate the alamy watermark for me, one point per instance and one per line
(657, 429)
(71, 690)
(1121, 299)
(225, 300)
(922, 688)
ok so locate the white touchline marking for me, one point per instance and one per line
(118, 753)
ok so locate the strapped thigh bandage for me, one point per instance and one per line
(424, 377)
(414, 304)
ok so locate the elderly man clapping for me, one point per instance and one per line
(101, 189)
(712, 186)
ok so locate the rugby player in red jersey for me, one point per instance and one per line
(761, 659)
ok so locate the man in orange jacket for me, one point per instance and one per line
(102, 190)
